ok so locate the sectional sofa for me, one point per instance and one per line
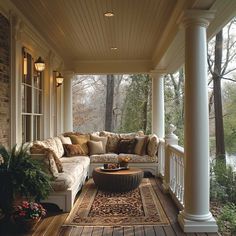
(70, 158)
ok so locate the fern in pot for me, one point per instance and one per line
(21, 176)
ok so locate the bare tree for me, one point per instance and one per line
(219, 69)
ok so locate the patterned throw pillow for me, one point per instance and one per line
(126, 146)
(81, 139)
(112, 141)
(141, 145)
(95, 147)
(73, 150)
(53, 164)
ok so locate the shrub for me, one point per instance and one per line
(227, 219)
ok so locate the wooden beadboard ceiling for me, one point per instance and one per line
(79, 32)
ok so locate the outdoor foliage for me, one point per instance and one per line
(223, 182)
(229, 102)
(174, 103)
(227, 219)
(136, 113)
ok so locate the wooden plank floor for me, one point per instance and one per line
(51, 225)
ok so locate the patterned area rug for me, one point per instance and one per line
(98, 208)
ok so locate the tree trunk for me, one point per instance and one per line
(109, 102)
(219, 126)
(145, 106)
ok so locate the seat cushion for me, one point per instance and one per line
(83, 160)
(139, 159)
(70, 175)
(104, 158)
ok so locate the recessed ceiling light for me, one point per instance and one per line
(114, 48)
(109, 14)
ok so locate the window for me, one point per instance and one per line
(31, 96)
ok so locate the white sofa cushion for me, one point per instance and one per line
(139, 159)
(104, 158)
(67, 178)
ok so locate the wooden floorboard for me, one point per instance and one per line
(76, 231)
(97, 231)
(51, 225)
(129, 231)
(138, 230)
(149, 231)
(107, 231)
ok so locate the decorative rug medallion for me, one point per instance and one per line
(98, 208)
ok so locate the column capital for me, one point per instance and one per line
(157, 73)
(196, 17)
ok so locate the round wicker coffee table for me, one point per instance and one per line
(117, 181)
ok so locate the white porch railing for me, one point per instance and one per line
(161, 158)
(176, 155)
(171, 166)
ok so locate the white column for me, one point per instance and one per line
(158, 113)
(68, 110)
(196, 216)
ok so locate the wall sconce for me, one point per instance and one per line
(39, 64)
(25, 65)
(59, 79)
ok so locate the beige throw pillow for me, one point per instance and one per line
(95, 147)
(65, 140)
(102, 139)
(152, 146)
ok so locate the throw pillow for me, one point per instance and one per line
(73, 150)
(95, 147)
(102, 139)
(81, 139)
(126, 146)
(141, 145)
(152, 146)
(112, 141)
(65, 140)
(50, 163)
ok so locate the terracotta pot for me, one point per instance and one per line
(26, 225)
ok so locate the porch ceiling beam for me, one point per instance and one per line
(111, 66)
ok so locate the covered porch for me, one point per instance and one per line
(152, 37)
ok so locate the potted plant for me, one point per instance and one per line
(20, 176)
(27, 214)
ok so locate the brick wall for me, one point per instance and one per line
(4, 81)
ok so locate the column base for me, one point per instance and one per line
(190, 226)
(165, 187)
